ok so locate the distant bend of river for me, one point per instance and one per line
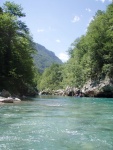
(57, 123)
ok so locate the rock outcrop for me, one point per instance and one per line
(9, 100)
(6, 97)
(98, 88)
(93, 88)
(68, 91)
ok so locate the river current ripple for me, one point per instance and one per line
(57, 123)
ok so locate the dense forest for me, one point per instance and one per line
(17, 70)
(91, 55)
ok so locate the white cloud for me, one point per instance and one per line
(63, 56)
(58, 41)
(103, 0)
(51, 29)
(88, 9)
(76, 19)
(40, 30)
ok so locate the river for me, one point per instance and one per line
(57, 123)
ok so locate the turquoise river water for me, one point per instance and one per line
(57, 123)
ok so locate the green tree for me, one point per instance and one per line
(52, 77)
(13, 9)
(16, 49)
(91, 55)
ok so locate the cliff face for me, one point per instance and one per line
(100, 88)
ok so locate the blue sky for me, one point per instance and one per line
(55, 24)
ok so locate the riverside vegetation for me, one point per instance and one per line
(90, 62)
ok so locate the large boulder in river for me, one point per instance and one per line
(99, 88)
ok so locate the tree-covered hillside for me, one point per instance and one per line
(18, 53)
(44, 58)
(91, 55)
(16, 50)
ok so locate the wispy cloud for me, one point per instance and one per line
(76, 19)
(58, 41)
(63, 56)
(51, 29)
(40, 30)
(101, 1)
(104, 0)
(88, 9)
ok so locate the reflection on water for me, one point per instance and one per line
(57, 123)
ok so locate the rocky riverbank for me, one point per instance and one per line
(99, 88)
(93, 88)
(68, 91)
(9, 100)
(5, 97)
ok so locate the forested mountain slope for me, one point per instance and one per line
(44, 58)
(90, 66)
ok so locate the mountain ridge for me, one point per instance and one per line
(44, 58)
